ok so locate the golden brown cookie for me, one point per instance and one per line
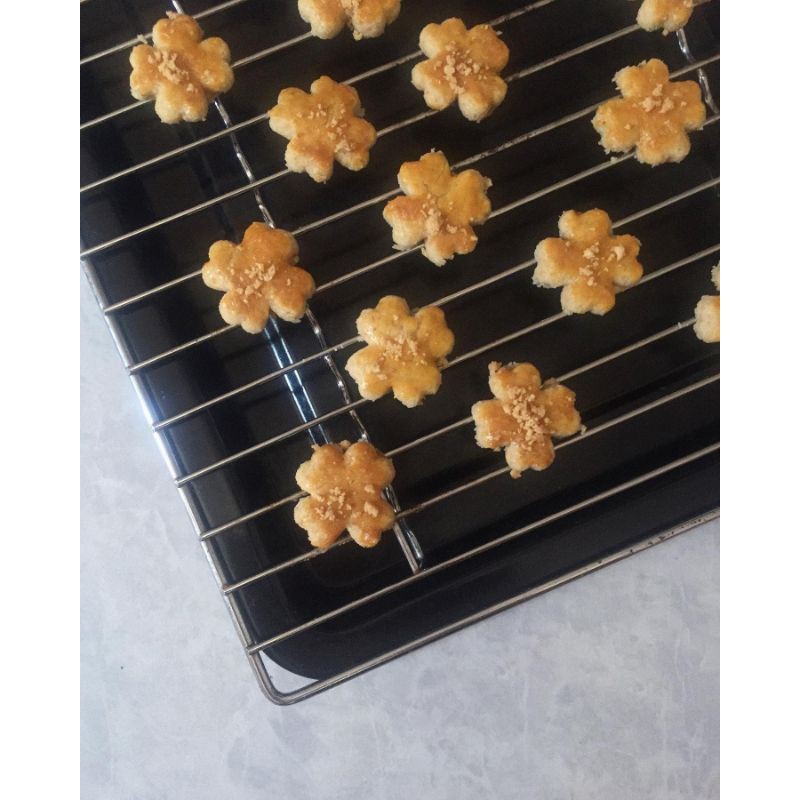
(706, 313)
(588, 261)
(366, 18)
(344, 482)
(405, 352)
(669, 15)
(182, 71)
(440, 208)
(257, 276)
(652, 115)
(323, 126)
(462, 65)
(524, 416)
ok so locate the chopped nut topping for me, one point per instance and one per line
(371, 509)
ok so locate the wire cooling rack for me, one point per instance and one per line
(234, 415)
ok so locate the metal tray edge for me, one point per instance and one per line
(288, 698)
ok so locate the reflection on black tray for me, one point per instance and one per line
(637, 446)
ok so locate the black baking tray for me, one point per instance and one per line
(668, 433)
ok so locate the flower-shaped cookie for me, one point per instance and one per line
(464, 65)
(524, 416)
(652, 115)
(367, 18)
(323, 126)
(440, 208)
(405, 352)
(669, 15)
(706, 313)
(588, 261)
(258, 275)
(344, 482)
(183, 71)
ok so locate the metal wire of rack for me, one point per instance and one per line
(290, 367)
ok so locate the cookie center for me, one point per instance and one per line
(657, 102)
(595, 267)
(436, 218)
(458, 64)
(531, 417)
(401, 347)
(330, 122)
(254, 279)
(336, 505)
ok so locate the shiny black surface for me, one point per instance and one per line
(207, 370)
